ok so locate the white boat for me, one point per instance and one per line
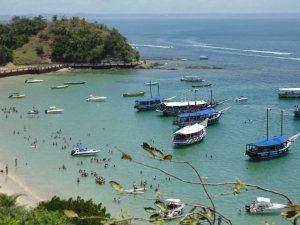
(190, 134)
(95, 98)
(151, 83)
(53, 110)
(289, 92)
(33, 112)
(264, 205)
(136, 191)
(82, 150)
(31, 80)
(16, 95)
(241, 99)
(174, 208)
(192, 78)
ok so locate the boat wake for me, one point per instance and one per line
(249, 52)
(151, 46)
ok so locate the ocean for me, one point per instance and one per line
(255, 57)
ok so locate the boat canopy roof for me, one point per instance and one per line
(263, 199)
(185, 103)
(190, 129)
(198, 113)
(271, 141)
(155, 98)
(289, 89)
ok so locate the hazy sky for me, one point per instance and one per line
(17, 7)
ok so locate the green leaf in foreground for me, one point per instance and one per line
(117, 187)
(70, 213)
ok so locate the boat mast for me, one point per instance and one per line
(268, 123)
(281, 130)
(211, 96)
(150, 89)
(158, 89)
(195, 96)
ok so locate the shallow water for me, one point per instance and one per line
(115, 125)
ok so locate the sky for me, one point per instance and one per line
(23, 7)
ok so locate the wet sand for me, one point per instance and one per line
(11, 184)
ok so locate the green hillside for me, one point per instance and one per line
(34, 41)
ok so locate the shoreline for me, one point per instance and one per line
(12, 184)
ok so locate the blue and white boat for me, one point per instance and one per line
(270, 148)
(211, 114)
(151, 103)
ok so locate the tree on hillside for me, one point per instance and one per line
(5, 55)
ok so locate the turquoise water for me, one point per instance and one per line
(114, 124)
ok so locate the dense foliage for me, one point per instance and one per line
(81, 42)
(51, 212)
(62, 40)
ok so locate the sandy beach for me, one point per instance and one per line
(11, 184)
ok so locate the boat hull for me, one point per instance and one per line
(263, 155)
(134, 94)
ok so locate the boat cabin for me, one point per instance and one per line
(197, 117)
(289, 93)
(148, 103)
(189, 134)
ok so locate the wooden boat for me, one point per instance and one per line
(134, 94)
(59, 87)
(17, 95)
(192, 79)
(31, 80)
(264, 205)
(270, 148)
(152, 103)
(289, 92)
(201, 85)
(190, 134)
(211, 114)
(74, 82)
(82, 150)
(53, 110)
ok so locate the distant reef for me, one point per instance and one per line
(28, 41)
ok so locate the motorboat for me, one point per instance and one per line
(136, 191)
(134, 94)
(83, 150)
(33, 112)
(31, 80)
(265, 205)
(59, 86)
(269, 148)
(289, 92)
(17, 95)
(296, 111)
(211, 114)
(53, 110)
(190, 134)
(241, 99)
(192, 79)
(95, 98)
(74, 82)
(174, 208)
(151, 83)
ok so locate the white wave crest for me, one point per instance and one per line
(152, 46)
(269, 52)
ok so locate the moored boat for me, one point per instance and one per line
(201, 85)
(190, 134)
(192, 79)
(151, 83)
(174, 207)
(53, 110)
(241, 99)
(134, 94)
(95, 98)
(74, 82)
(289, 92)
(17, 95)
(296, 111)
(59, 87)
(203, 57)
(31, 80)
(211, 114)
(33, 112)
(270, 148)
(83, 150)
(151, 103)
(265, 205)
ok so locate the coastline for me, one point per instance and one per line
(12, 184)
